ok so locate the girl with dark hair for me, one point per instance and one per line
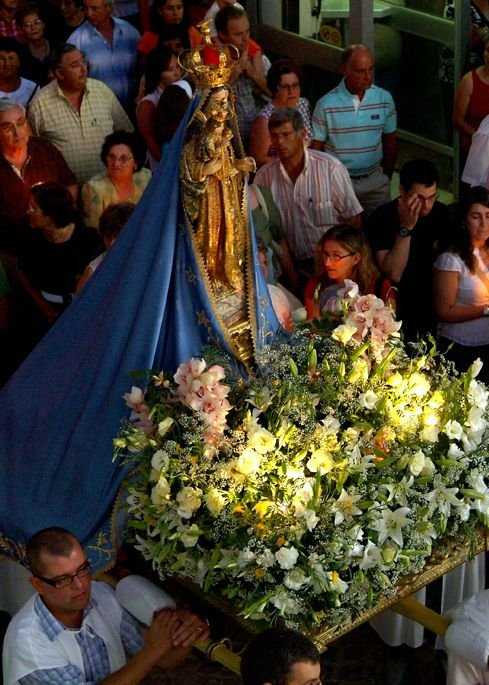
(461, 285)
(54, 254)
(168, 17)
(162, 69)
(344, 254)
(124, 180)
(284, 82)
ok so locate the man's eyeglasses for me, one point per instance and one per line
(336, 257)
(67, 580)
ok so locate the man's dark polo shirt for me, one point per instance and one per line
(416, 285)
(44, 164)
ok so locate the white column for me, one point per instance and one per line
(361, 28)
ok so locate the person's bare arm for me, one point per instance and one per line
(169, 631)
(461, 103)
(393, 262)
(145, 116)
(260, 141)
(83, 280)
(389, 153)
(47, 310)
(445, 288)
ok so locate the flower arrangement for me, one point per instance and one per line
(307, 491)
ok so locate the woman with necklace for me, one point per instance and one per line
(124, 180)
(461, 285)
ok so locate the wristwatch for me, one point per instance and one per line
(404, 232)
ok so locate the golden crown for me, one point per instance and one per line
(210, 65)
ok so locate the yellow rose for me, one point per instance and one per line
(262, 440)
(261, 508)
(215, 501)
(320, 461)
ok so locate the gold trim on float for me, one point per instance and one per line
(439, 564)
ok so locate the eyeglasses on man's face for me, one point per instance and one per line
(67, 580)
(123, 159)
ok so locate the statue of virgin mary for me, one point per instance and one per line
(170, 286)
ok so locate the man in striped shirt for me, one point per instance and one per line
(312, 189)
(357, 121)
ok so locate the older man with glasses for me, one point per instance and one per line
(74, 630)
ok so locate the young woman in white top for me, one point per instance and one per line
(461, 285)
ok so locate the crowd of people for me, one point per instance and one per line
(91, 94)
(89, 119)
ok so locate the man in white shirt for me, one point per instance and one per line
(73, 630)
(312, 189)
(249, 75)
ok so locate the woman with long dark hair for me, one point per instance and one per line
(461, 285)
(168, 21)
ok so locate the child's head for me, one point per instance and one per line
(281, 657)
(112, 221)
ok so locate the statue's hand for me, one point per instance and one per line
(247, 165)
(212, 167)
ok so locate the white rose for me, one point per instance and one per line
(295, 579)
(190, 536)
(215, 501)
(160, 460)
(416, 463)
(368, 399)
(287, 557)
(262, 441)
(430, 434)
(188, 500)
(478, 394)
(344, 333)
(265, 559)
(453, 430)
(161, 492)
(248, 462)
(321, 460)
(454, 451)
(286, 604)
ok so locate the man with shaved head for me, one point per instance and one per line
(73, 630)
(357, 121)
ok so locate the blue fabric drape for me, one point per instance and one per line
(145, 307)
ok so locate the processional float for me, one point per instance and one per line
(184, 280)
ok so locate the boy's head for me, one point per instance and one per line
(281, 657)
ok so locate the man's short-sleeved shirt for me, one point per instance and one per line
(44, 164)
(320, 196)
(39, 650)
(353, 128)
(78, 135)
(113, 63)
(416, 284)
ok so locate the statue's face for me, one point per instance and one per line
(218, 106)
